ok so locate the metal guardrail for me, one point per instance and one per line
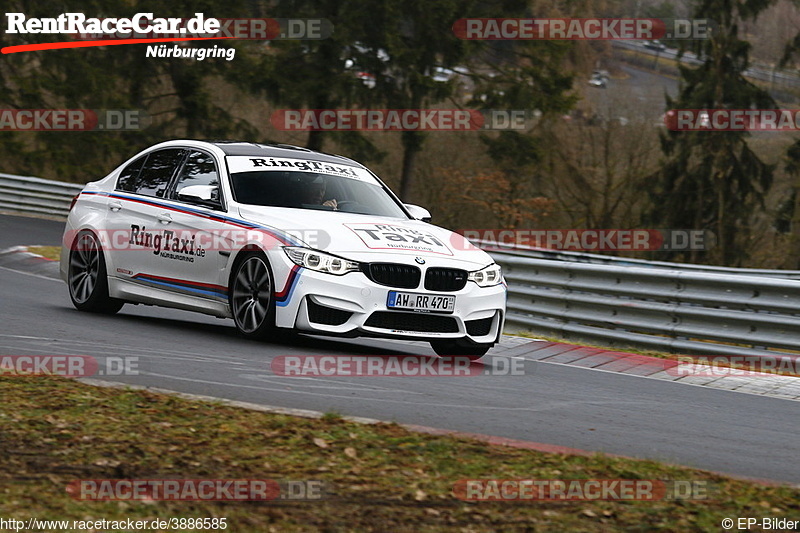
(593, 298)
(26, 194)
(786, 78)
(665, 309)
(599, 259)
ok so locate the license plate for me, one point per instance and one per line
(423, 303)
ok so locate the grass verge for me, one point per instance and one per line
(380, 477)
(50, 252)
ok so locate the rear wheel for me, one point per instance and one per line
(88, 280)
(460, 348)
(252, 298)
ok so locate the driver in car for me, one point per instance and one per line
(313, 193)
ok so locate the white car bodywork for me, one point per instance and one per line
(142, 267)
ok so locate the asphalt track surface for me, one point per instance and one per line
(730, 432)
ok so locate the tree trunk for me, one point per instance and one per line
(412, 145)
(315, 141)
(793, 259)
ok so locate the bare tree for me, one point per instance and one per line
(598, 165)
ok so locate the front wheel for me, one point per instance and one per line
(252, 298)
(88, 281)
(460, 348)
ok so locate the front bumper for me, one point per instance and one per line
(353, 305)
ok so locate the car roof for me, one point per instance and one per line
(244, 148)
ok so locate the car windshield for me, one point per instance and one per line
(343, 189)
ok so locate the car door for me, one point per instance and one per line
(193, 248)
(116, 239)
(138, 216)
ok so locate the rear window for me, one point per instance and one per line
(129, 175)
(158, 171)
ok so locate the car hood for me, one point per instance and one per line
(366, 237)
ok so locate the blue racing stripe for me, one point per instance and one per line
(285, 237)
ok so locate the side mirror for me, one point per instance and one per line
(206, 194)
(418, 213)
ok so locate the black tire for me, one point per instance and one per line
(87, 277)
(251, 296)
(460, 348)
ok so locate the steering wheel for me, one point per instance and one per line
(344, 203)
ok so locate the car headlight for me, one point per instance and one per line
(487, 277)
(320, 261)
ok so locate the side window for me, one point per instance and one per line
(158, 171)
(199, 169)
(127, 178)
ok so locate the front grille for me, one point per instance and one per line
(393, 275)
(445, 279)
(322, 314)
(412, 322)
(480, 327)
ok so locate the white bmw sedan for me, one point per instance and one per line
(277, 236)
